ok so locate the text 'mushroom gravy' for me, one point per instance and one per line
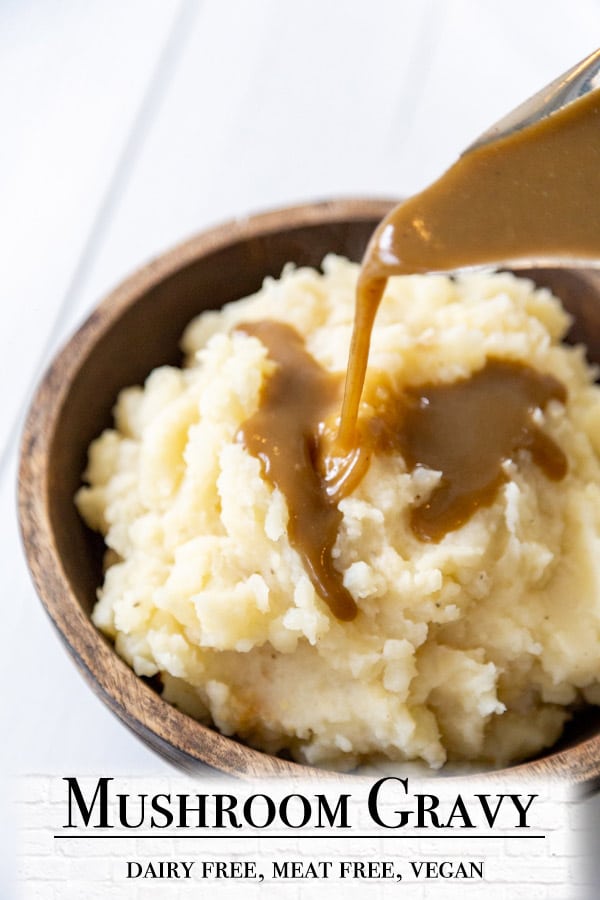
(534, 194)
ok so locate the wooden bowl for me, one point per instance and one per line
(135, 329)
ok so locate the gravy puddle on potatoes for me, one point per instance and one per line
(534, 194)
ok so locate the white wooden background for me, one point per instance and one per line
(126, 125)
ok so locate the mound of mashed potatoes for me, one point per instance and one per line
(477, 647)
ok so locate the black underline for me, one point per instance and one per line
(229, 836)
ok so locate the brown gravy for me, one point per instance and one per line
(283, 433)
(531, 195)
(467, 430)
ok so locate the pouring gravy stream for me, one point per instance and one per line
(534, 194)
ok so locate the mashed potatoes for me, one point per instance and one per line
(472, 648)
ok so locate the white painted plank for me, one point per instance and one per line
(492, 56)
(276, 103)
(273, 103)
(73, 77)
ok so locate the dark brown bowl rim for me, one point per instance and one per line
(173, 734)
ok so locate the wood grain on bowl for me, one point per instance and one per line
(136, 329)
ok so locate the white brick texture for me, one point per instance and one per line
(550, 860)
